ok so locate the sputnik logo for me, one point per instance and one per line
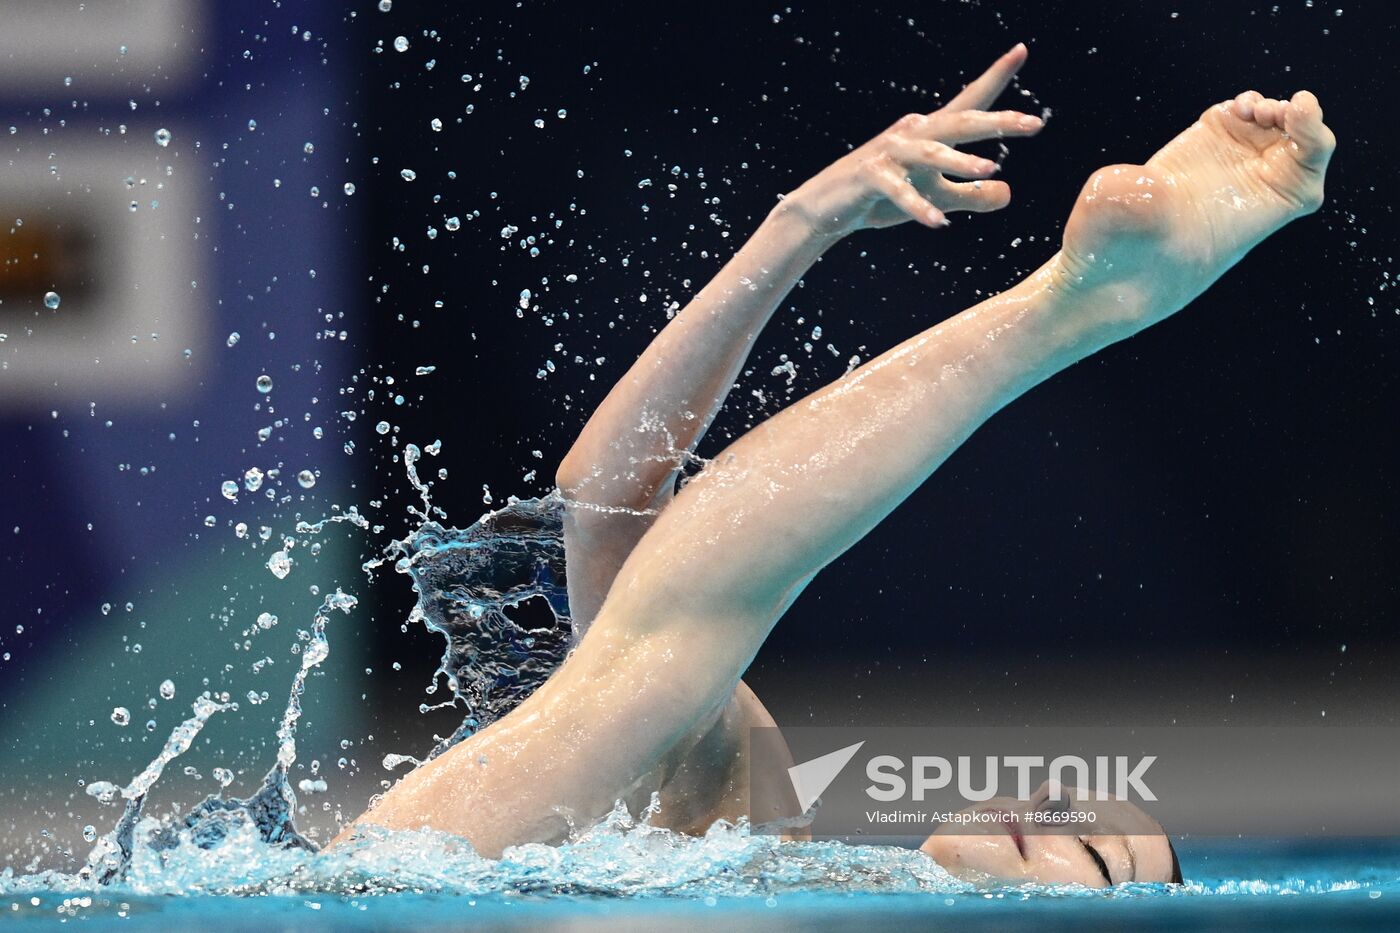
(811, 778)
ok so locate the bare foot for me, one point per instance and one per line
(1154, 236)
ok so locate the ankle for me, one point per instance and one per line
(1096, 309)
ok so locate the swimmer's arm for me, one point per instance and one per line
(629, 451)
(636, 440)
(622, 468)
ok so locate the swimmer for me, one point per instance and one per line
(676, 590)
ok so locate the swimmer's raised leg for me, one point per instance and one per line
(743, 538)
(701, 591)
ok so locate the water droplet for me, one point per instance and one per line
(104, 791)
(252, 479)
(264, 383)
(382, 427)
(89, 833)
(453, 223)
(280, 564)
(408, 174)
(162, 137)
(233, 339)
(266, 620)
(349, 187)
(306, 479)
(401, 44)
(308, 148)
(436, 124)
(167, 689)
(252, 125)
(121, 715)
(230, 490)
(386, 5)
(51, 300)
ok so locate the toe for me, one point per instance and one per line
(1244, 104)
(1303, 123)
(1305, 105)
(1267, 113)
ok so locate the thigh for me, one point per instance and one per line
(710, 777)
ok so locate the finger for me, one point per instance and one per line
(1303, 124)
(976, 196)
(906, 197)
(932, 154)
(966, 126)
(980, 94)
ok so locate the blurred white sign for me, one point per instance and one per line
(127, 281)
(100, 44)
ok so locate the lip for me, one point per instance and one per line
(1009, 823)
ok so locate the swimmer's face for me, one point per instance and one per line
(1121, 844)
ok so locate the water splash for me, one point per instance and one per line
(268, 812)
(475, 587)
(471, 586)
(622, 856)
(114, 850)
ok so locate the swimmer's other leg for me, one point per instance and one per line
(703, 588)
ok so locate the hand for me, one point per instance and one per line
(900, 174)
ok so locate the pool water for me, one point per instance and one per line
(636, 878)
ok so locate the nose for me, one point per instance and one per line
(1051, 795)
